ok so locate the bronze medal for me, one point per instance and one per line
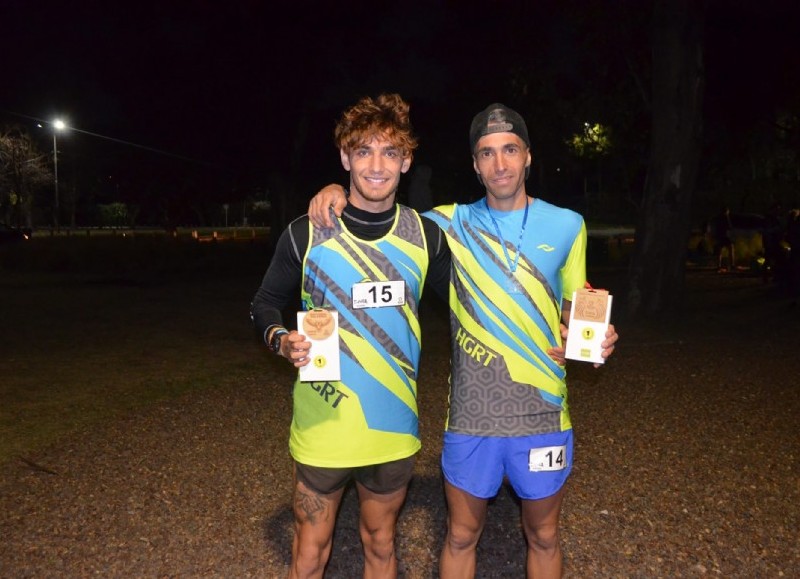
(318, 324)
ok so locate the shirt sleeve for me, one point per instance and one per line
(573, 274)
(279, 287)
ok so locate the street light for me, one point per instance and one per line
(58, 125)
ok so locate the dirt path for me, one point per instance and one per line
(686, 465)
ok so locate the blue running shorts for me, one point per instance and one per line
(537, 466)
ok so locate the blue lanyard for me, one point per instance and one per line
(511, 266)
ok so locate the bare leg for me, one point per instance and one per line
(314, 519)
(378, 522)
(540, 523)
(466, 515)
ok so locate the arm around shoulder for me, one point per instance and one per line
(331, 197)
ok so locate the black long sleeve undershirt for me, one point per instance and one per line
(281, 283)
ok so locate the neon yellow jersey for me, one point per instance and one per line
(370, 416)
(511, 271)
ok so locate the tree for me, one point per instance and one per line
(591, 144)
(23, 172)
(656, 281)
(579, 62)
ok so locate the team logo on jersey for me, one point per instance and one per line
(545, 247)
(473, 348)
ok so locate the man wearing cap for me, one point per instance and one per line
(515, 262)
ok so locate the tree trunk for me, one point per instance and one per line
(656, 281)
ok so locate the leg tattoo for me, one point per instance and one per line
(314, 509)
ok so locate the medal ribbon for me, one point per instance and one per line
(511, 266)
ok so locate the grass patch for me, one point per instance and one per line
(99, 327)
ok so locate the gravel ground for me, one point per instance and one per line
(686, 465)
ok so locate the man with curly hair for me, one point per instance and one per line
(364, 427)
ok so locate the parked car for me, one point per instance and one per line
(10, 234)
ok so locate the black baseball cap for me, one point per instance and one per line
(497, 118)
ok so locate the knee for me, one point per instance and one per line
(543, 538)
(462, 537)
(309, 557)
(378, 543)
(308, 563)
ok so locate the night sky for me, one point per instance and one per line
(223, 86)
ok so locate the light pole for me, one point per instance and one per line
(58, 125)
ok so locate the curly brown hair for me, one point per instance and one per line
(385, 116)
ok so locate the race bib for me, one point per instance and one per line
(379, 294)
(548, 458)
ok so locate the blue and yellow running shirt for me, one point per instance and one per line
(502, 322)
(370, 416)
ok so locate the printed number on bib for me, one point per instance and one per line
(547, 458)
(379, 294)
